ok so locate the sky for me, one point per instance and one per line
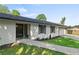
(53, 12)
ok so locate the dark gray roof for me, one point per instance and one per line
(26, 19)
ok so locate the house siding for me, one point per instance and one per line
(7, 32)
(56, 32)
(45, 35)
(61, 31)
(35, 32)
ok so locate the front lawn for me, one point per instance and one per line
(64, 41)
(23, 49)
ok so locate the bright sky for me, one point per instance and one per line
(54, 12)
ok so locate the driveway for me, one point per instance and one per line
(66, 50)
(75, 37)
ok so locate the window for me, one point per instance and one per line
(42, 29)
(52, 29)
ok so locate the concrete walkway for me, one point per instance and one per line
(66, 50)
(75, 37)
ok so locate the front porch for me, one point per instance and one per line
(22, 31)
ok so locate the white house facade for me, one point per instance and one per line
(13, 28)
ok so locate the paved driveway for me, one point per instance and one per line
(67, 50)
(75, 37)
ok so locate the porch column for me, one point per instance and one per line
(23, 30)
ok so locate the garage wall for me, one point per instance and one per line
(61, 31)
(7, 31)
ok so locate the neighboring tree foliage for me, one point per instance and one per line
(4, 9)
(63, 20)
(15, 12)
(41, 17)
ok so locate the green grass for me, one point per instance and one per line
(23, 49)
(64, 41)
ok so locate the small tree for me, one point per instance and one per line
(63, 21)
(41, 17)
(15, 12)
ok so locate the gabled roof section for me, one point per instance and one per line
(25, 19)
